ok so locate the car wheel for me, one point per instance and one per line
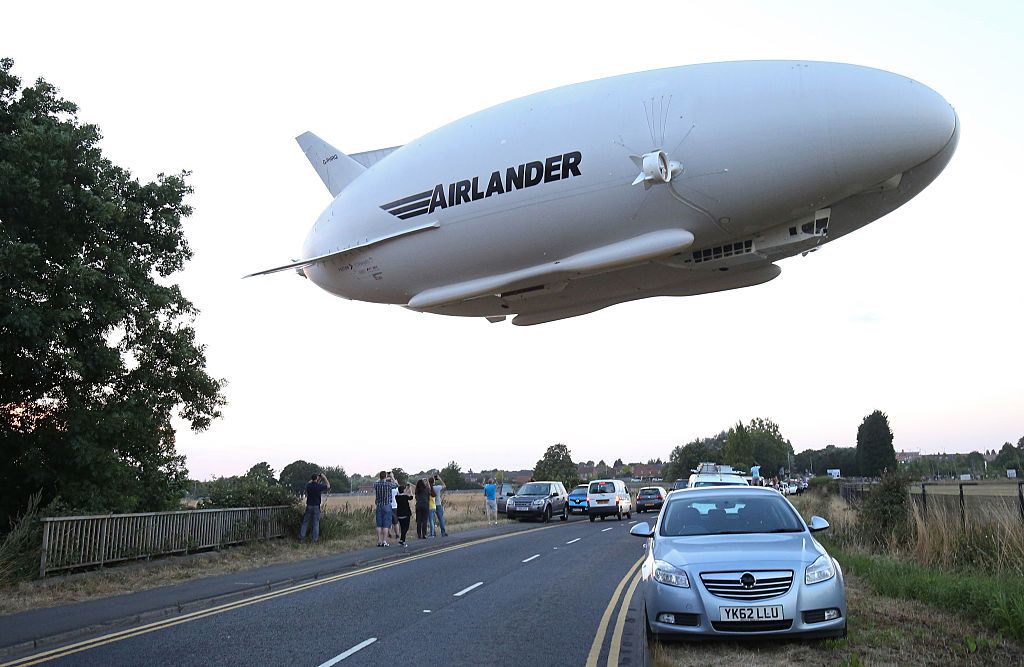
(602, 517)
(565, 514)
(618, 514)
(629, 515)
(592, 517)
(547, 514)
(639, 511)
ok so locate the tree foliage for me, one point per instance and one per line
(875, 452)
(97, 348)
(739, 447)
(246, 491)
(296, 474)
(557, 465)
(685, 458)
(454, 479)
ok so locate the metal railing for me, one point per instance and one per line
(71, 542)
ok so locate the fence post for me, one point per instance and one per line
(103, 540)
(46, 546)
(924, 501)
(963, 514)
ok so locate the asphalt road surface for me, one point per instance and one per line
(549, 596)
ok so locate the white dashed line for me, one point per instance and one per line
(531, 558)
(606, 530)
(426, 611)
(632, 521)
(576, 540)
(358, 647)
(466, 590)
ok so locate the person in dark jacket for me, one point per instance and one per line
(317, 484)
(422, 508)
(404, 512)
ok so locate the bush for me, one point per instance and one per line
(885, 515)
(19, 549)
(246, 492)
(825, 484)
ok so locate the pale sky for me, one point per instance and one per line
(920, 314)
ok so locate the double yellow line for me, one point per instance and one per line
(632, 578)
(110, 638)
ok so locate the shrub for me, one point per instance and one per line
(825, 484)
(19, 549)
(246, 492)
(885, 515)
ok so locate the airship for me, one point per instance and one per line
(671, 182)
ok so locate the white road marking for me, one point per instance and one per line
(426, 611)
(606, 530)
(466, 590)
(531, 558)
(576, 540)
(632, 521)
(358, 647)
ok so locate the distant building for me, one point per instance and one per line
(647, 470)
(907, 457)
(586, 472)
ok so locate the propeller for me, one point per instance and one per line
(657, 167)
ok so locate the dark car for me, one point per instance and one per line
(539, 500)
(505, 492)
(650, 498)
(578, 500)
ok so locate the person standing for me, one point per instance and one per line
(439, 488)
(382, 496)
(431, 505)
(317, 484)
(393, 529)
(491, 501)
(403, 512)
(422, 508)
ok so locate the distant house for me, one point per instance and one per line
(522, 479)
(647, 470)
(586, 472)
(907, 457)
(365, 488)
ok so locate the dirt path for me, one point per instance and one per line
(882, 631)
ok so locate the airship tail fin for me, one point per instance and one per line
(335, 168)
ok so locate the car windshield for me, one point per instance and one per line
(715, 514)
(602, 487)
(534, 489)
(649, 493)
(579, 492)
(719, 483)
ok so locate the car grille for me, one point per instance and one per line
(751, 626)
(730, 585)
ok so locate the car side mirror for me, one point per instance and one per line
(642, 530)
(554, 494)
(817, 523)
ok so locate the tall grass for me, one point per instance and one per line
(977, 569)
(19, 548)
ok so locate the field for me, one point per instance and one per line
(983, 488)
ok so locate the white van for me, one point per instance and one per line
(608, 497)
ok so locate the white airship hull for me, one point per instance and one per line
(537, 207)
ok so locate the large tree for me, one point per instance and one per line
(685, 458)
(97, 347)
(875, 452)
(739, 447)
(557, 465)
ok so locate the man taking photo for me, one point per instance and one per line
(314, 488)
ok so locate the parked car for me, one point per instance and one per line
(759, 568)
(680, 484)
(650, 498)
(539, 500)
(711, 474)
(609, 497)
(578, 499)
(504, 493)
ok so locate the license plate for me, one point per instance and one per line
(602, 502)
(767, 613)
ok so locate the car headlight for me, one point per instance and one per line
(538, 502)
(820, 570)
(670, 575)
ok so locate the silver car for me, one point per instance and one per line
(732, 561)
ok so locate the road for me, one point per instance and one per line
(548, 596)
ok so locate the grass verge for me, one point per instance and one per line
(994, 600)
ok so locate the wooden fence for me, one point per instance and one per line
(71, 542)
